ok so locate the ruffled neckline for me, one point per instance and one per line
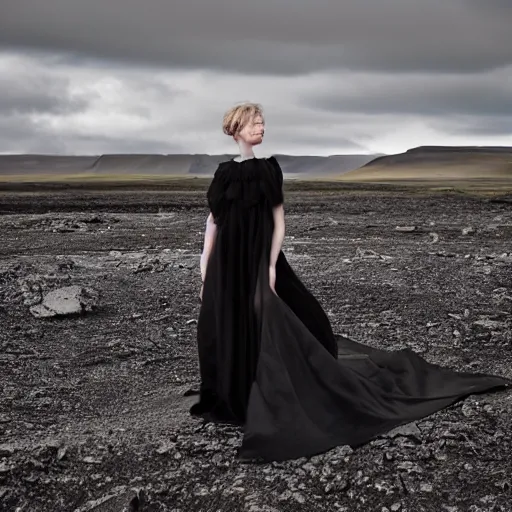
(245, 170)
(253, 159)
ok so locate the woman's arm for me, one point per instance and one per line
(277, 242)
(209, 238)
(278, 235)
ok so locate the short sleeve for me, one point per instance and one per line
(275, 185)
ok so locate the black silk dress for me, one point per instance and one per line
(271, 363)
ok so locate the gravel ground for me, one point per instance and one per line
(93, 405)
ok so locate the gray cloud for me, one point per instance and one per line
(270, 36)
(435, 95)
(19, 134)
(302, 135)
(26, 92)
(156, 76)
(134, 110)
(100, 144)
(502, 6)
(487, 126)
(49, 105)
(42, 110)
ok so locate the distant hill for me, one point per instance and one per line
(422, 164)
(437, 163)
(30, 167)
(320, 166)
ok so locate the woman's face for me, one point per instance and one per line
(252, 133)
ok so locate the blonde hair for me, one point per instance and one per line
(238, 116)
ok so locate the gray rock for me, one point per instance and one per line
(435, 237)
(6, 450)
(61, 453)
(409, 467)
(165, 447)
(119, 498)
(340, 452)
(365, 253)
(91, 460)
(383, 486)
(261, 508)
(409, 430)
(467, 410)
(4, 467)
(489, 324)
(285, 496)
(299, 497)
(69, 300)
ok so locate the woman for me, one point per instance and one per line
(269, 360)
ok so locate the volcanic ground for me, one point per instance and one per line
(94, 406)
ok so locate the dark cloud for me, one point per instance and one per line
(156, 76)
(503, 6)
(270, 36)
(101, 144)
(484, 126)
(47, 105)
(443, 96)
(27, 91)
(20, 134)
(319, 139)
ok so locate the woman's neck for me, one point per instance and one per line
(246, 151)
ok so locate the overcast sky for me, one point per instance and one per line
(334, 76)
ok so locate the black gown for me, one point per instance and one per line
(271, 363)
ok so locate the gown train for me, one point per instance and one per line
(271, 363)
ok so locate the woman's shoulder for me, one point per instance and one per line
(235, 162)
(247, 169)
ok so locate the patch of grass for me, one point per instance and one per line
(89, 177)
(102, 182)
(40, 183)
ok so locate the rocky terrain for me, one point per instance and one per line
(98, 308)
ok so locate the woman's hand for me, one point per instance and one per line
(201, 292)
(272, 278)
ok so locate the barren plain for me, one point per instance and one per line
(94, 405)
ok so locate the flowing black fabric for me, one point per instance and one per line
(271, 362)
